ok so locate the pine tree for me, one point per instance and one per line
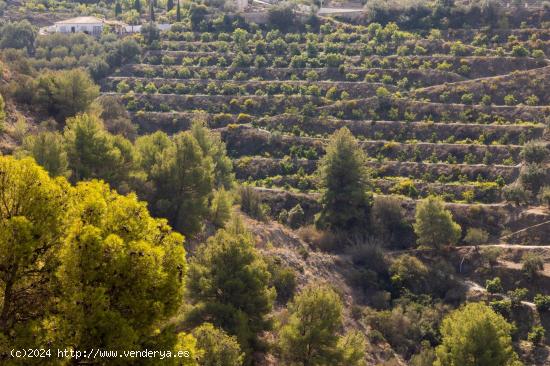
(32, 219)
(475, 335)
(184, 181)
(434, 224)
(48, 150)
(228, 279)
(121, 272)
(345, 200)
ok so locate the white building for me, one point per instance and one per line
(88, 25)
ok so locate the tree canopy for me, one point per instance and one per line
(346, 199)
(475, 335)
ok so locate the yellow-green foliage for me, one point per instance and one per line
(90, 268)
(475, 335)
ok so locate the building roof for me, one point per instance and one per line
(81, 20)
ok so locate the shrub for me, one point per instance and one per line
(535, 151)
(493, 286)
(516, 193)
(536, 335)
(434, 224)
(251, 203)
(517, 296)
(410, 273)
(475, 236)
(296, 217)
(531, 264)
(490, 255)
(542, 302)
(544, 195)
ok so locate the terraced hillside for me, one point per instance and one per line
(447, 115)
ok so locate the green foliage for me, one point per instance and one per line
(475, 335)
(218, 348)
(345, 200)
(121, 271)
(18, 35)
(535, 152)
(94, 153)
(65, 94)
(48, 150)
(408, 324)
(542, 302)
(212, 146)
(389, 222)
(476, 236)
(296, 217)
(536, 335)
(434, 224)
(251, 203)
(310, 336)
(531, 264)
(31, 231)
(220, 207)
(409, 272)
(516, 193)
(184, 180)
(283, 279)
(493, 286)
(229, 281)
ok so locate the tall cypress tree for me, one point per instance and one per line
(118, 9)
(178, 12)
(137, 5)
(170, 5)
(151, 11)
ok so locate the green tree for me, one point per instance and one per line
(184, 180)
(48, 150)
(310, 337)
(228, 280)
(137, 6)
(218, 348)
(197, 14)
(31, 230)
(221, 208)
(178, 12)
(149, 149)
(94, 153)
(19, 35)
(434, 224)
(212, 146)
(118, 9)
(475, 335)
(169, 5)
(65, 94)
(343, 174)
(121, 272)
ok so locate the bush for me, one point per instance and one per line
(493, 286)
(490, 255)
(475, 236)
(517, 296)
(535, 151)
(296, 217)
(542, 302)
(536, 335)
(531, 265)
(516, 193)
(410, 273)
(434, 224)
(283, 279)
(544, 195)
(251, 203)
